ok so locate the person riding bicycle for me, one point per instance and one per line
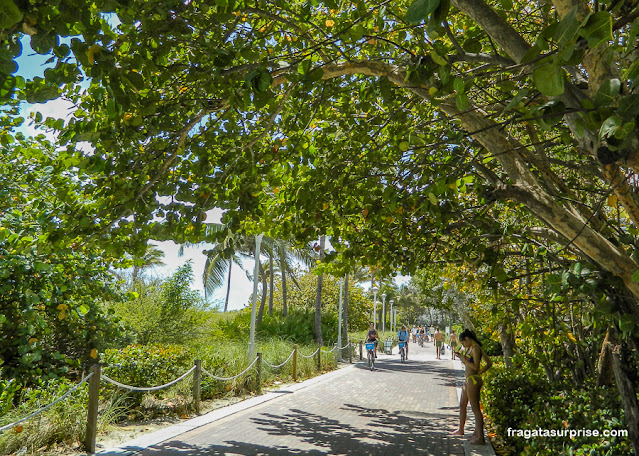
(373, 336)
(402, 336)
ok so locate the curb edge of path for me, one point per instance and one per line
(141, 443)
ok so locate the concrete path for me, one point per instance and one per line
(397, 409)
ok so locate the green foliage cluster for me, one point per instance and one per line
(165, 311)
(147, 365)
(299, 326)
(302, 296)
(523, 398)
(51, 292)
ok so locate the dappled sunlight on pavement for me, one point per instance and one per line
(397, 409)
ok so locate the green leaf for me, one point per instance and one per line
(458, 84)
(462, 102)
(610, 126)
(632, 74)
(629, 106)
(420, 10)
(568, 28)
(44, 43)
(10, 14)
(531, 55)
(264, 81)
(472, 46)
(626, 323)
(357, 32)
(607, 93)
(432, 198)
(438, 59)
(598, 29)
(8, 66)
(303, 67)
(549, 79)
(635, 276)
(516, 100)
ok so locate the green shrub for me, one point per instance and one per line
(165, 311)
(299, 327)
(511, 395)
(147, 365)
(524, 399)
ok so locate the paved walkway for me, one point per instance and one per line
(398, 409)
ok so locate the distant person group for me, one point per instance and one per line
(470, 354)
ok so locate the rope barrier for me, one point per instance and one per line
(150, 388)
(230, 378)
(311, 355)
(46, 407)
(156, 388)
(279, 365)
(329, 351)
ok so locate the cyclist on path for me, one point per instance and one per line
(402, 336)
(373, 336)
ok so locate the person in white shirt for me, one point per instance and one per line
(413, 332)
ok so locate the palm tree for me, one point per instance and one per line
(287, 254)
(153, 256)
(221, 258)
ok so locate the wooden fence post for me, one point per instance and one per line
(92, 414)
(259, 372)
(319, 359)
(295, 362)
(338, 354)
(361, 354)
(197, 381)
(350, 353)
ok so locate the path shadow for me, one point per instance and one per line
(386, 433)
(447, 376)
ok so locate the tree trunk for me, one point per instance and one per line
(507, 343)
(626, 387)
(318, 298)
(260, 314)
(135, 274)
(228, 287)
(284, 273)
(604, 364)
(272, 279)
(345, 314)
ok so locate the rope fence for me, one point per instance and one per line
(280, 365)
(230, 378)
(47, 407)
(311, 355)
(94, 378)
(149, 388)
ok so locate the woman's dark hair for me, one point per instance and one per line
(468, 334)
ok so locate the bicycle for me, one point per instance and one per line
(370, 346)
(402, 350)
(421, 341)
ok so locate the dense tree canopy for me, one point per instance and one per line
(404, 131)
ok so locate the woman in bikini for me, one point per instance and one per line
(471, 391)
